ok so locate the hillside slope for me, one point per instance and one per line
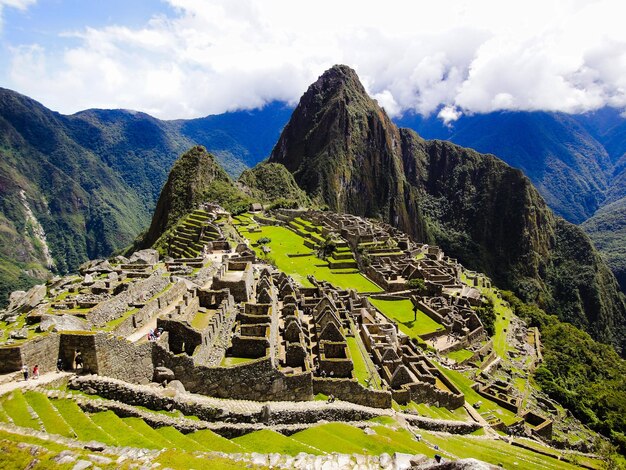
(343, 150)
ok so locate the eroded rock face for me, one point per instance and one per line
(21, 301)
(62, 323)
(144, 257)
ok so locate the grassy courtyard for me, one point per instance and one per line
(285, 244)
(401, 311)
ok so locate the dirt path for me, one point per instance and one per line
(31, 383)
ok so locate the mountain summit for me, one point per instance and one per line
(343, 149)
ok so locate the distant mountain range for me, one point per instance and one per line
(91, 180)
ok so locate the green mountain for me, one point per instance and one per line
(83, 186)
(345, 152)
(192, 175)
(271, 183)
(607, 229)
(60, 203)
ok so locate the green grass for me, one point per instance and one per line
(503, 321)
(179, 440)
(233, 361)
(460, 355)
(344, 438)
(487, 407)
(83, 426)
(285, 242)
(210, 440)
(360, 370)
(402, 312)
(16, 407)
(145, 430)
(178, 460)
(495, 452)
(435, 412)
(201, 320)
(52, 421)
(267, 441)
(124, 434)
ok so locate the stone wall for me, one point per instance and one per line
(115, 307)
(256, 380)
(123, 360)
(350, 390)
(43, 351)
(71, 343)
(10, 359)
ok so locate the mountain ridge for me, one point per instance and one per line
(432, 189)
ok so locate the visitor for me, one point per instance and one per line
(60, 365)
(25, 371)
(36, 371)
(79, 360)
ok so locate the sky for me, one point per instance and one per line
(190, 58)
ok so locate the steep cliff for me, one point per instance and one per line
(345, 152)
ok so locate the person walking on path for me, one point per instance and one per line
(36, 371)
(25, 371)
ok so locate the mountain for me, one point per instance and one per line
(190, 178)
(83, 186)
(607, 229)
(344, 151)
(569, 167)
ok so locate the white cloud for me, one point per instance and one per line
(449, 114)
(454, 56)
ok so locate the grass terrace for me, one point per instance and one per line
(460, 355)
(494, 451)
(487, 408)
(295, 259)
(401, 311)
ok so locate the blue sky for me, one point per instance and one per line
(189, 58)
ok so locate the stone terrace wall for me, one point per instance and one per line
(115, 307)
(141, 396)
(43, 351)
(10, 359)
(256, 380)
(350, 390)
(123, 360)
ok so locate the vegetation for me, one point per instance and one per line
(411, 322)
(586, 376)
(272, 183)
(607, 229)
(486, 313)
(290, 255)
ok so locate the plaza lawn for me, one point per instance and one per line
(284, 242)
(402, 312)
(460, 355)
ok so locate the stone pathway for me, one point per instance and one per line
(151, 325)
(32, 383)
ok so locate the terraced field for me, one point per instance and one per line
(63, 417)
